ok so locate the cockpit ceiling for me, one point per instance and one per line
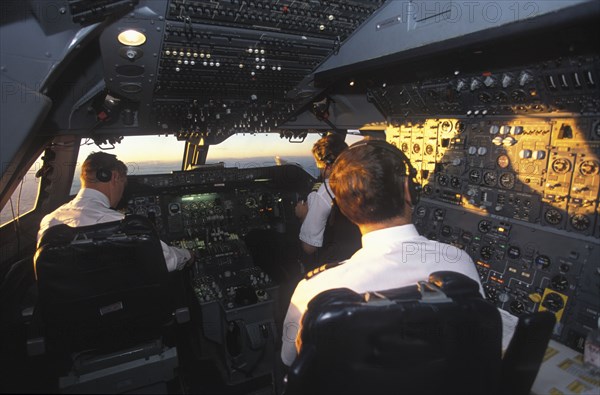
(216, 68)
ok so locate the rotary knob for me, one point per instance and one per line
(481, 151)
(494, 129)
(517, 130)
(539, 154)
(472, 150)
(504, 130)
(497, 140)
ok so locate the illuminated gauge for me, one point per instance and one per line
(438, 214)
(427, 190)
(140, 210)
(503, 161)
(460, 126)
(518, 95)
(561, 165)
(443, 180)
(507, 180)
(490, 178)
(580, 222)
(455, 182)
(484, 226)
(542, 261)
(446, 126)
(251, 202)
(155, 210)
(553, 216)
(446, 231)
(193, 206)
(501, 97)
(429, 149)
(486, 252)
(513, 252)
(559, 283)
(416, 148)
(404, 147)
(484, 97)
(475, 176)
(420, 211)
(589, 168)
(517, 307)
(553, 302)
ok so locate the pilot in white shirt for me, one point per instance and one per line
(103, 180)
(373, 193)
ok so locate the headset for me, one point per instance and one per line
(328, 159)
(103, 175)
(414, 188)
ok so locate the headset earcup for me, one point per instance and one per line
(103, 175)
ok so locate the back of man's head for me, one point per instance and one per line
(368, 181)
(98, 167)
(326, 149)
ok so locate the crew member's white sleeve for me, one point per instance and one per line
(313, 227)
(175, 257)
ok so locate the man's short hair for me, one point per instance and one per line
(327, 149)
(368, 183)
(101, 161)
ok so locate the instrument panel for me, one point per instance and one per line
(512, 175)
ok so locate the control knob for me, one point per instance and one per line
(497, 140)
(525, 78)
(508, 141)
(539, 154)
(494, 129)
(472, 150)
(517, 130)
(481, 151)
(505, 129)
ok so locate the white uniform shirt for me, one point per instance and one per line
(319, 207)
(389, 258)
(92, 207)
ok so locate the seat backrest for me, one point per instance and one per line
(418, 339)
(102, 286)
(525, 352)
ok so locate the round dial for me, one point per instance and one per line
(484, 226)
(501, 97)
(251, 202)
(553, 302)
(503, 161)
(518, 95)
(492, 294)
(416, 148)
(429, 149)
(490, 178)
(517, 307)
(404, 147)
(513, 252)
(561, 165)
(446, 231)
(427, 189)
(553, 216)
(438, 214)
(589, 168)
(443, 180)
(475, 176)
(559, 283)
(486, 252)
(446, 126)
(580, 222)
(542, 261)
(507, 180)
(420, 211)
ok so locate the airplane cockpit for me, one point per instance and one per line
(214, 106)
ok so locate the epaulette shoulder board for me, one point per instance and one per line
(316, 186)
(313, 273)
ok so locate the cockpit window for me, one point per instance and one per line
(24, 197)
(141, 154)
(270, 149)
